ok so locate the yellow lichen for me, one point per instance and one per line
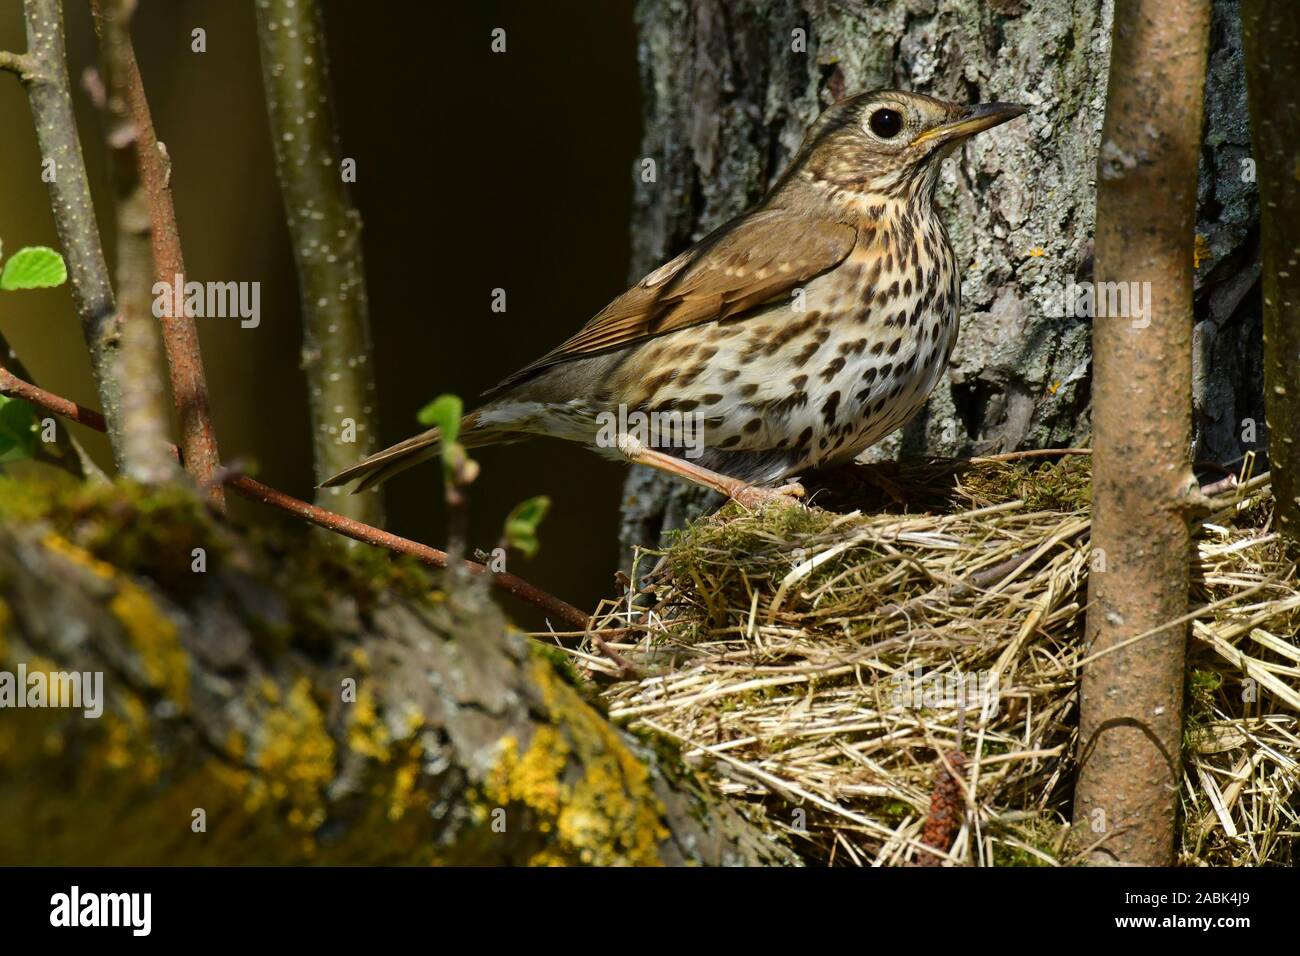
(607, 816)
(127, 739)
(270, 691)
(366, 732)
(370, 736)
(153, 635)
(78, 556)
(533, 779)
(296, 759)
(405, 775)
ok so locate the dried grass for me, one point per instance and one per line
(817, 664)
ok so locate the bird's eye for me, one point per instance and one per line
(886, 123)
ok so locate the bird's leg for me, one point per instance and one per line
(751, 496)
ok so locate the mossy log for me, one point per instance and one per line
(267, 703)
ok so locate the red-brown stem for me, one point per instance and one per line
(1034, 453)
(15, 387)
(180, 335)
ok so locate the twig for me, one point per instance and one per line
(17, 63)
(180, 335)
(67, 453)
(1226, 483)
(145, 421)
(348, 527)
(1033, 453)
(326, 233)
(44, 73)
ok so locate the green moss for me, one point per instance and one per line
(896, 811)
(562, 664)
(1061, 485)
(1201, 693)
(141, 530)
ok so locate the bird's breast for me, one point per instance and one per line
(825, 372)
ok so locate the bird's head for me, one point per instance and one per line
(890, 142)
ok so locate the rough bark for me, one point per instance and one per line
(727, 99)
(1130, 711)
(1272, 42)
(227, 692)
(326, 231)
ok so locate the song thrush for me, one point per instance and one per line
(794, 336)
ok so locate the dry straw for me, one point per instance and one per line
(817, 664)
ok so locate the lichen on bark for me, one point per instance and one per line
(307, 704)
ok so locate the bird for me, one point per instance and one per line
(792, 338)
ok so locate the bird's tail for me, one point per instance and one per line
(382, 465)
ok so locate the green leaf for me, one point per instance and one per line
(521, 525)
(17, 430)
(444, 412)
(35, 267)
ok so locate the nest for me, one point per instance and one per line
(902, 688)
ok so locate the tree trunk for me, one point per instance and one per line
(298, 704)
(729, 91)
(1272, 40)
(1131, 697)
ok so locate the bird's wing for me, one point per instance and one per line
(752, 260)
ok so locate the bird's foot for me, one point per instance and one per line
(755, 496)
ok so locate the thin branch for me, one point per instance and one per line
(144, 400)
(1032, 453)
(348, 527)
(67, 453)
(180, 335)
(16, 63)
(43, 70)
(326, 232)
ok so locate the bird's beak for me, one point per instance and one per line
(974, 120)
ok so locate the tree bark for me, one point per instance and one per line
(1130, 733)
(296, 704)
(1272, 41)
(43, 70)
(726, 100)
(326, 231)
(144, 408)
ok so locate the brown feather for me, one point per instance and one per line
(752, 260)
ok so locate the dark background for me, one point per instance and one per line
(474, 171)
